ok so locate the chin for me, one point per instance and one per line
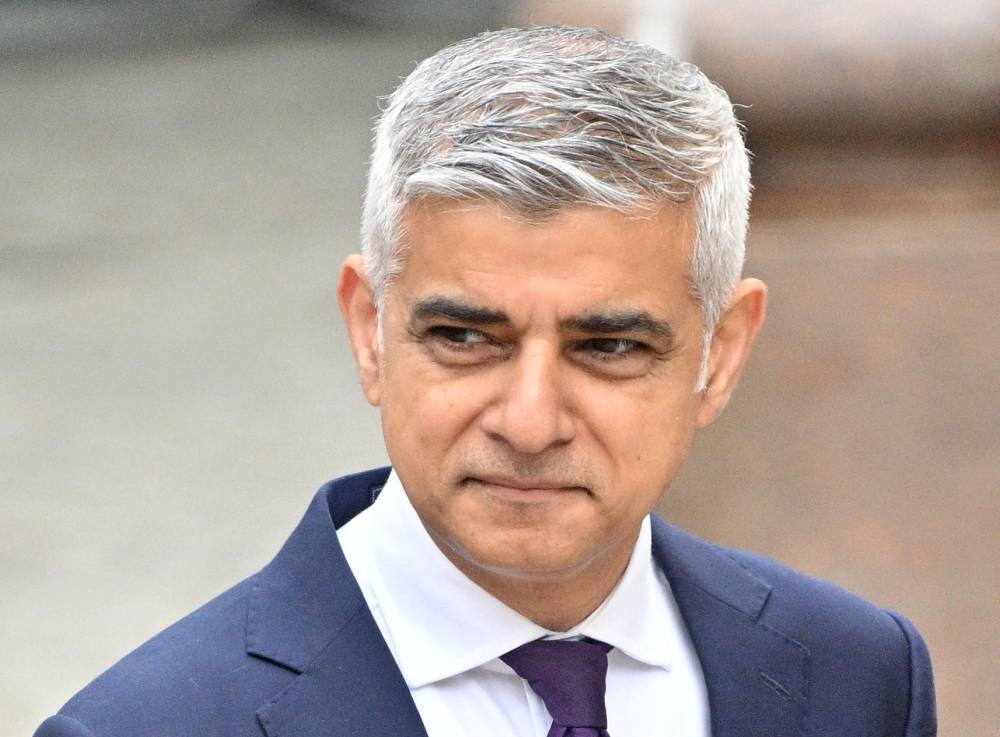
(534, 561)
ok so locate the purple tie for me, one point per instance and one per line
(568, 675)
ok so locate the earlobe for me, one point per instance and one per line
(357, 308)
(734, 336)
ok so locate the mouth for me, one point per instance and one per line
(524, 489)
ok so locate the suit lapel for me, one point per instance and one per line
(756, 676)
(308, 615)
(353, 688)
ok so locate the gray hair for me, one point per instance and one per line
(546, 118)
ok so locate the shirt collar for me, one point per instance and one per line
(439, 623)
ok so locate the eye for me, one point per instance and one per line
(614, 358)
(612, 348)
(457, 336)
(450, 344)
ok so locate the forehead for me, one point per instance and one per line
(578, 258)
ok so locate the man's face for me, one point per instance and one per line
(536, 381)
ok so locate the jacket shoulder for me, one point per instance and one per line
(814, 611)
(194, 677)
(858, 651)
(863, 670)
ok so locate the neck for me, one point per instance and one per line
(555, 601)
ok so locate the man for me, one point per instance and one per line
(548, 305)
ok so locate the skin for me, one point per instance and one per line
(536, 387)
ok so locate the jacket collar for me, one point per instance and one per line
(307, 614)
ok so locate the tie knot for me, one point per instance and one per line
(569, 676)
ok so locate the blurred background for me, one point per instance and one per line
(179, 182)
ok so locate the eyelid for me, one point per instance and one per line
(634, 342)
(464, 339)
(446, 330)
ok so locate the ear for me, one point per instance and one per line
(357, 307)
(731, 344)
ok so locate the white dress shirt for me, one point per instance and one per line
(446, 634)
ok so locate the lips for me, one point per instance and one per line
(517, 484)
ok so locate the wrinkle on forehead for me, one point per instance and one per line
(678, 228)
(584, 259)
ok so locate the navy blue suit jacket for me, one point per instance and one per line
(294, 652)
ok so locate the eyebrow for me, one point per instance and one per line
(597, 323)
(624, 321)
(456, 310)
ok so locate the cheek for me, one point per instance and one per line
(637, 415)
(645, 435)
(427, 414)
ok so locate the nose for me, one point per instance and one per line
(529, 413)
